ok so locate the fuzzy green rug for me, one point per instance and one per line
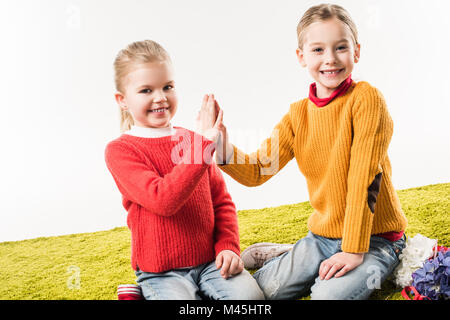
(92, 265)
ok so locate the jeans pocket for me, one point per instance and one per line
(390, 248)
(399, 245)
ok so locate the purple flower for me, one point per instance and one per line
(432, 280)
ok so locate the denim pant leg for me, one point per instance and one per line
(238, 287)
(360, 282)
(176, 284)
(291, 274)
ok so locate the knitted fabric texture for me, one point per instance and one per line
(179, 211)
(341, 149)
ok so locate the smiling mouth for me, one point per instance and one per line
(159, 110)
(331, 72)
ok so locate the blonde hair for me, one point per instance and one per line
(324, 12)
(127, 60)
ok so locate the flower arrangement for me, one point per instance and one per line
(432, 280)
(417, 249)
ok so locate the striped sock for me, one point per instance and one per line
(129, 292)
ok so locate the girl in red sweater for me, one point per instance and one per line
(184, 231)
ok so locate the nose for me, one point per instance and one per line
(159, 96)
(330, 57)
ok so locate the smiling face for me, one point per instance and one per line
(149, 95)
(329, 53)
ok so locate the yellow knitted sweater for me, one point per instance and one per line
(341, 149)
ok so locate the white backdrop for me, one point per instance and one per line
(58, 110)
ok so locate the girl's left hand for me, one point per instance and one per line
(229, 263)
(343, 261)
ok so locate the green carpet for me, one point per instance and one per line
(91, 265)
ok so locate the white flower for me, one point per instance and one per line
(417, 250)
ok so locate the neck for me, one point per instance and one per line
(323, 93)
(322, 98)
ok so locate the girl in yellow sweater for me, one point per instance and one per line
(339, 137)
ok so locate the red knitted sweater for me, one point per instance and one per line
(179, 211)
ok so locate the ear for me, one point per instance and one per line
(357, 53)
(300, 57)
(120, 99)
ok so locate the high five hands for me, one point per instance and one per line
(210, 125)
(209, 119)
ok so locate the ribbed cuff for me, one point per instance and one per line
(357, 230)
(220, 246)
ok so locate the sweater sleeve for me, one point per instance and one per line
(258, 167)
(372, 132)
(140, 183)
(226, 232)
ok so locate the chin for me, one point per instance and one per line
(160, 124)
(332, 85)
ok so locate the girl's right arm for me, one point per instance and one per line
(140, 183)
(256, 168)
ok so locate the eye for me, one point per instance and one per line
(145, 91)
(342, 47)
(168, 87)
(317, 50)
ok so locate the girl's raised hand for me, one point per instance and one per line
(208, 120)
(224, 148)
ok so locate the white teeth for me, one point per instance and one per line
(330, 72)
(159, 110)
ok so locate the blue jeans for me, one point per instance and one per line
(296, 272)
(196, 283)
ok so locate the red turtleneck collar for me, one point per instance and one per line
(339, 91)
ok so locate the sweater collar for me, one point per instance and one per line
(339, 91)
(151, 132)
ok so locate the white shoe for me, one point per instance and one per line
(256, 254)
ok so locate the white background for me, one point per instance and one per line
(58, 111)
